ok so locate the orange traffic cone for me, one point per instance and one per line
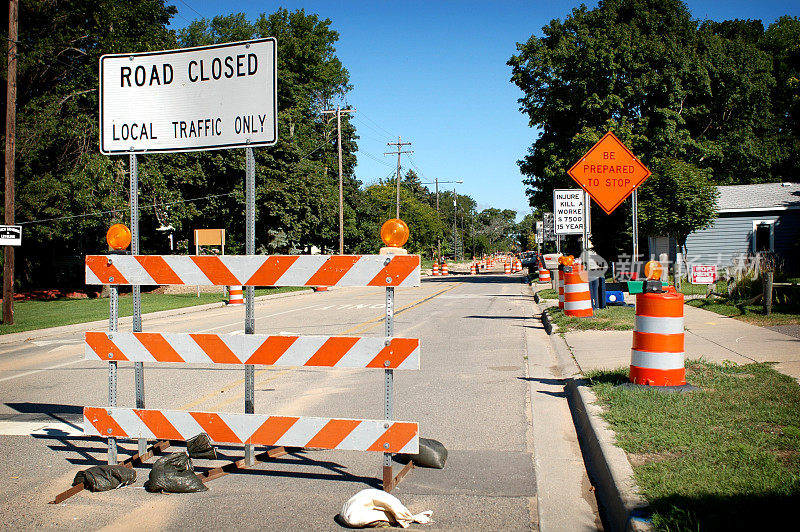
(657, 350)
(577, 298)
(235, 295)
(544, 276)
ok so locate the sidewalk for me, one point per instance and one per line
(708, 336)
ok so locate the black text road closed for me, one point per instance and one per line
(207, 98)
(10, 235)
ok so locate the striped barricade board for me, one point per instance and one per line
(258, 429)
(254, 270)
(257, 349)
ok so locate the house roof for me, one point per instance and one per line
(761, 197)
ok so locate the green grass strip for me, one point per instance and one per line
(606, 319)
(724, 458)
(32, 315)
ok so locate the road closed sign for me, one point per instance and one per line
(609, 172)
(569, 212)
(206, 98)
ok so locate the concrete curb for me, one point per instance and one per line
(94, 325)
(607, 464)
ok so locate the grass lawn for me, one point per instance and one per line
(781, 314)
(547, 293)
(30, 315)
(607, 319)
(724, 458)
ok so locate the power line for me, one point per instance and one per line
(112, 211)
(377, 124)
(190, 7)
(374, 158)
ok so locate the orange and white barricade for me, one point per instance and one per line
(445, 271)
(560, 273)
(435, 270)
(544, 276)
(657, 350)
(236, 295)
(577, 298)
(473, 269)
(387, 353)
(506, 267)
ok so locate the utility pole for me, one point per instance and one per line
(436, 181)
(455, 210)
(399, 145)
(339, 112)
(11, 128)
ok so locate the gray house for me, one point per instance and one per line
(750, 219)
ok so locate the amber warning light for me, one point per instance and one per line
(118, 237)
(394, 233)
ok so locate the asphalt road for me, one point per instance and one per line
(472, 393)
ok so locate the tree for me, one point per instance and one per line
(669, 87)
(62, 182)
(680, 200)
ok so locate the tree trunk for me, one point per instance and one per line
(766, 283)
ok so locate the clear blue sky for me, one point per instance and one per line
(434, 72)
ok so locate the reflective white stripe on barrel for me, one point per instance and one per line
(645, 359)
(658, 325)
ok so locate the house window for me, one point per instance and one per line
(763, 235)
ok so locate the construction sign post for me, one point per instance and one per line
(207, 98)
(609, 173)
(569, 211)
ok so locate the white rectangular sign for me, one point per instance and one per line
(704, 273)
(568, 210)
(10, 235)
(207, 98)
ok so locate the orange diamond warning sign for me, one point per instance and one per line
(609, 172)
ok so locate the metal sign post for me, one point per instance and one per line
(388, 394)
(249, 301)
(137, 289)
(113, 322)
(635, 223)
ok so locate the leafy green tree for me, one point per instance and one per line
(680, 200)
(61, 179)
(669, 87)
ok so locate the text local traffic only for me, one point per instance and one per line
(198, 71)
(180, 100)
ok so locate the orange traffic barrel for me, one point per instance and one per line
(235, 295)
(445, 271)
(544, 275)
(577, 298)
(657, 351)
(435, 270)
(506, 267)
(473, 270)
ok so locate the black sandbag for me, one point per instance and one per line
(431, 454)
(200, 447)
(105, 477)
(174, 474)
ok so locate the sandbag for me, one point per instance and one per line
(200, 447)
(105, 477)
(174, 474)
(431, 454)
(371, 507)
